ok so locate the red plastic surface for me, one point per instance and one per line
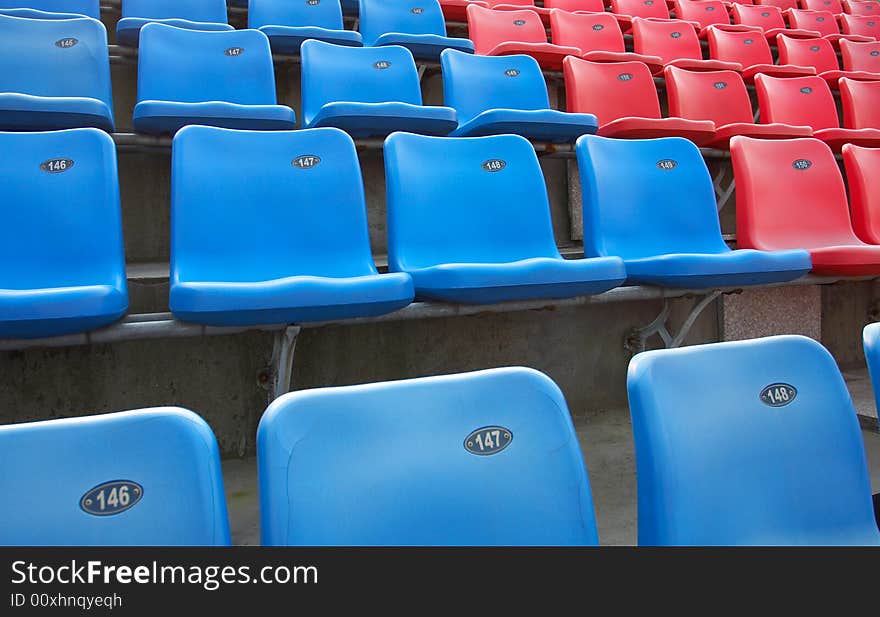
(863, 177)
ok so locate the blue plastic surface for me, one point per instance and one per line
(221, 79)
(62, 267)
(651, 202)
(289, 24)
(386, 464)
(207, 15)
(256, 239)
(50, 467)
(871, 343)
(367, 91)
(718, 466)
(54, 74)
(494, 95)
(51, 9)
(469, 219)
(418, 26)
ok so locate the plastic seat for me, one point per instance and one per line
(861, 103)
(769, 19)
(832, 6)
(624, 99)
(367, 91)
(576, 6)
(676, 44)
(62, 268)
(313, 263)
(863, 25)
(704, 13)
(207, 15)
(871, 343)
(861, 7)
(493, 95)
(456, 10)
(722, 98)
(518, 5)
(761, 428)
(790, 194)
(860, 56)
(289, 24)
(862, 169)
(782, 5)
(823, 22)
(647, 9)
(399, 463)
(652, 203)
(819, 54)
(421, 29)
(215, 78)
(752, 52)
(149, 477)
(807, 101)
(469, 219)
(54, 74)
(51, 9)
(597, 36)
(504, 33)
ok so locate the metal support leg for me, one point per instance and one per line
(282, 361)
(422, 69)
(722, 192)
(637, 338)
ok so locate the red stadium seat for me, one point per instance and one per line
(502, 33)
(676, 43)
(705, 13)
(781, 4)
(519, 5)
(822, 22)
(860, 56)
(623, 97)
(864, 25)
(647, 9)
(808, 101)
(752, 51)
(790, 194)
(819, 54)
(769, 19)
(597, 36)
(456, 10)
(576, 6)
(721, 96)
(832, 6)
(863, 176)
(858, 7)
(861, 104)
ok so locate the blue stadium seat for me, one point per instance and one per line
(145, 477)
(62, 268)
(305, 257)
(366, 91)
(651, 202)
(213, 78)
(54, 74)
(493, 95)
(288, 24)
(207, 15)
(748, 443)
(469, 219)
(485, 458)
(51, 9)
(871, 343)
(418, 25)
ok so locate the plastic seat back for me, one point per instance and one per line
(670, 40)
(586, 31)
(147, 477)
(817, 53)
(746, 48)
(641, 8)
(777, 182)
(487, 203)
(59, 58)
(59, 198)
(326, 14)
(781, 4)
(703, 12)
(409, 463)
(832, 6)
(861, 7)
(860, 56)
(748, 443)
(488, 28)
(871, 343)
(589, 6)
(864, 25)
(720, 96)
(308, 183)
(191, 66)
(332, 73)
(378, 17)
(765, 17)
(862, 173)
(646, 197)
(861, 103)
(610, 90)
(89, 8)
(211, 11)
(820, 21)
(798, 101)
(474, 84)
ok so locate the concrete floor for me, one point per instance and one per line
(606, 441)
